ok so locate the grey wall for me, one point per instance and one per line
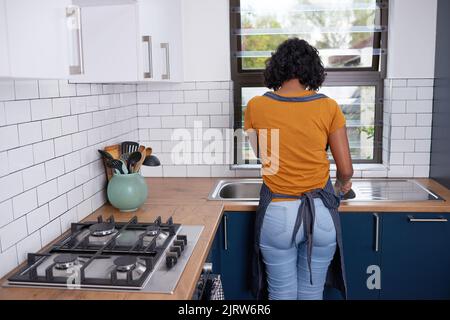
(440, 154)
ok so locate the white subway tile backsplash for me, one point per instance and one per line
(69, 125)
(2, 114)
(421, 171)
(41, 109)
(47, 191)
(54, 168)
(401, 171)
(402, 146)
(26, 89)
(398, 106)
(173, 122)
(61, 107)
(6, 213)
(171, 97)
(67, 89)
(423, 146)
(219, 95)
(404, 93)
(17, 111)
(84, 209)
(30, 132)
(192, 121)
(10, 185)
(148, 97)
(51, 128)
(220, 121)
(184, 109)
(9, 260)
(4, 168)
(20, 158)
(37, 218)
(417, 158)
(24, 203)
(32, 243)
(82, 175)
(6, 90)
(9, 137)
(12, 233)
(403, 120)
(420, 82)
(213, 108)
(66, 183)
(196, 96)
(83, 89)
(420, 106)
(425, 120)
(160, 109)
(149, 122)
(85, 121)
(68, 218)
(50, 232)
(74, 197)
(418, 132)
(63, 145)
(33, 176)
(78, 105)
(58, 206)
(48, 88)
(79, 140)
(43, 151)
(425, 93)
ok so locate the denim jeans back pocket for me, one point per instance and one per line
(275, 219)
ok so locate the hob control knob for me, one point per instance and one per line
(171, 260)
(183, 238)
(175, 249)
(179, 243)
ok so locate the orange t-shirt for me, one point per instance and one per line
(304, 128)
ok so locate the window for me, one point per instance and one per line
(351, 37)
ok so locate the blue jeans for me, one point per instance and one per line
(286, 262)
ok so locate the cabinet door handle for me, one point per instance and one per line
(148, 39)
(225, 232)
(73, 15)
(440, 220)
(166, 46)
(377, 232)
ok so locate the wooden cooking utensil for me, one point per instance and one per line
(144, 152)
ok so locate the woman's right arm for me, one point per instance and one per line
(340, 149)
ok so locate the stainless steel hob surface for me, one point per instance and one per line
(109, 255)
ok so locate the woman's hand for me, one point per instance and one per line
(343, 187)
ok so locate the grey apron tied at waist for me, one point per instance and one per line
(305, 217)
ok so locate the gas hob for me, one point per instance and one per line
(109, 255)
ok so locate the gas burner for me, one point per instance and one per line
(65, 261)
(152, 230)
(125, 263)
(102, 229)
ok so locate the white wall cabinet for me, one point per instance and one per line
(132, 42)
(4, 54)
(37, 38)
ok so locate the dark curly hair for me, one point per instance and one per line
(295, 59)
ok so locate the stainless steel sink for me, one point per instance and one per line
(392, 190)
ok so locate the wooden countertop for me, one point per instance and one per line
(186, 200)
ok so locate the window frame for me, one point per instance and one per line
(335, 77)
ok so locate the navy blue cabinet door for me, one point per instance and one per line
(231, 254)
(416, 259)
(361, 255)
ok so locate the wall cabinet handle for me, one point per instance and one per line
(166, 46)
(377, 232)
(225, 232)
(73, 15)
(149, 48)
(439, 220)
